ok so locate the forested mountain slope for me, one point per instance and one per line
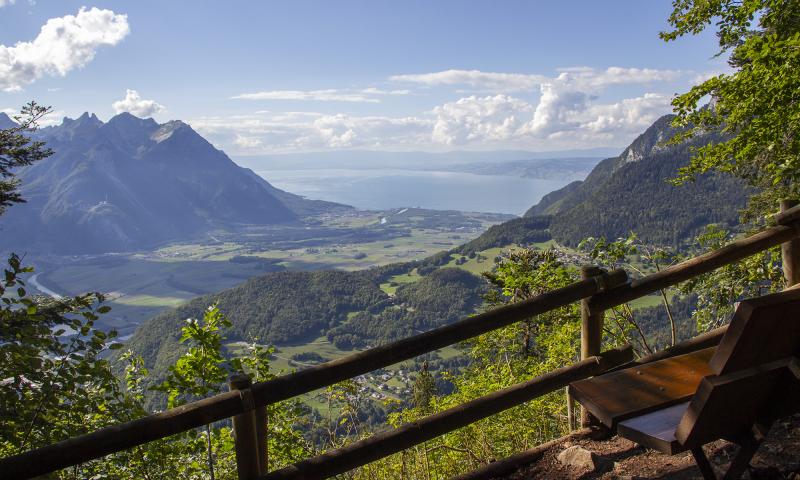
(631, 193)
(295, 307)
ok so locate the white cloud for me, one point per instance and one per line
(556, 109)
(292, 131)
(471, 119)
(504, 82)
(4, 3)
(366, 95)
(63, 44)
(576, 77)
(52, 118)
(330, 95)
(561, 119)
(568, 113)
(247, 142)
(136, 105)
(629, 115)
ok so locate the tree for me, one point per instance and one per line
(757, 107)
(424, 388)
(17, 149)
(201, 371)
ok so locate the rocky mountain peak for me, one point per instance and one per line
(6, 122)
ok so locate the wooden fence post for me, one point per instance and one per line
(591, 333)
(245, 437)
(262, 425)
(570, 410)
(790, 252)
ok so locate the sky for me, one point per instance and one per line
(299, 76)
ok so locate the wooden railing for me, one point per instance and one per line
(597, 291)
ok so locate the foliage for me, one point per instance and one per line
(17, 149)
(50, 356)
(424, 389)
(632, 192)
(756, 106)
(55, 386)
(520, 231)
(442, 297)
(718, 291)
(497, 360)
(635, 256)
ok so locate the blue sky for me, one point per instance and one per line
(261, 77)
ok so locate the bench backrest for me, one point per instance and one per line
(762, 330)
(752, 375)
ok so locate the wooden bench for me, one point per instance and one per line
(734, 391)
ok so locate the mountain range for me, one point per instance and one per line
(632, 192)
(131, 183)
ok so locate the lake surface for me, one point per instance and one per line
(384, 189)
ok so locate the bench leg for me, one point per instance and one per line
(748, 447)
(703, 464)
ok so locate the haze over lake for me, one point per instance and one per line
(395, 188)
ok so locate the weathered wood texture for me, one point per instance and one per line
(656, 429)
(700, 342)
(386, 443)
(591, 332)
(623, 394)
(762, 330)
(790, 251)
(245, 436)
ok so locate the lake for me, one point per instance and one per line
(381, 189)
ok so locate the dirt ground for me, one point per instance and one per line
(778, 458)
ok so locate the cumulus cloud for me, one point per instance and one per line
(135, 104)
(560, 119)
(629, 115)
(63, 44)
(291, 131)
(4, 3)
(489, 118)
(247, 142)
(563, 110)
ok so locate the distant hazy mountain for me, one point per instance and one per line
(631, 192)
(132, 183)
(448, 161)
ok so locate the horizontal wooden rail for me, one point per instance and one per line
(196, 414)
(693, 267)
(392, 441)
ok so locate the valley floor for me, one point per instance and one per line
(140, 285)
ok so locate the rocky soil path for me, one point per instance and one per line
(581, 457)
